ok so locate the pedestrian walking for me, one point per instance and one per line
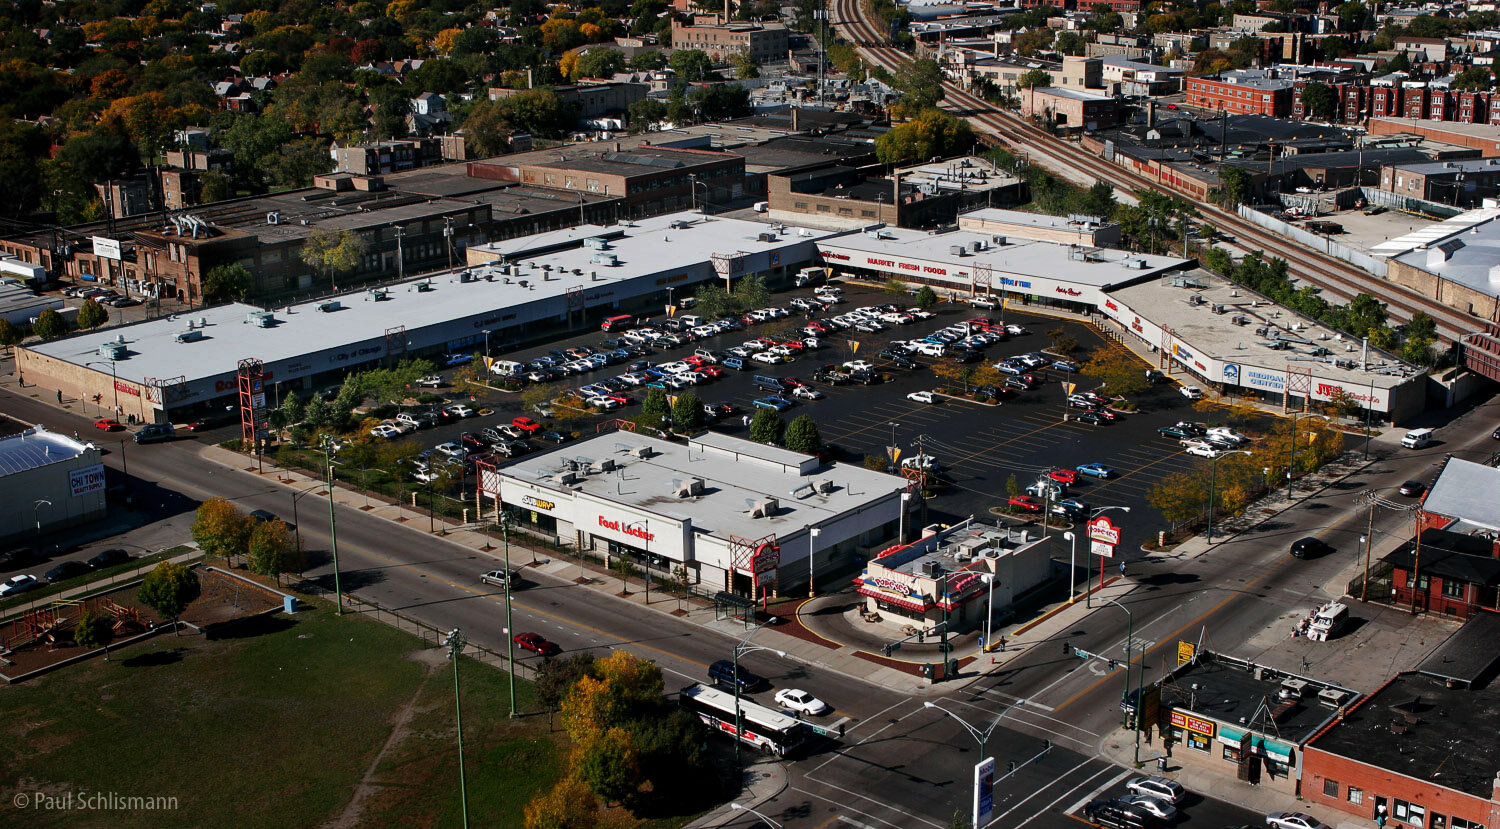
(745, 421)
(1122, 568)
(59, 396)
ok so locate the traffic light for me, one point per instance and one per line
(1067, 649)
(1112, 665)
(1010, 766)
(1046, 745)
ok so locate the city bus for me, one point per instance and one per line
(769, 730)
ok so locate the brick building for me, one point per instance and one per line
(1419, 749)
(383, 157)
(1241, 91)
(1460, 182)
(1478, 136)
(1071, 108)
(922, 196)
(589, 100)
(650, 179)
(766, 42)
(1351, 101)
(1453, 268)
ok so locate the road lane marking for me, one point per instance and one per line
(1096, 792)
(1023, 800)
(843, 805)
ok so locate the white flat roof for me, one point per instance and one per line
(1022, 218)
(1435, 231)
(736, 473)
(306, 341)
(1466, 490)
(1467, 253)
(1022, 259)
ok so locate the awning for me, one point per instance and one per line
(1258, 745)
(893, 599)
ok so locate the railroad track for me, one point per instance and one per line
(1337, 279)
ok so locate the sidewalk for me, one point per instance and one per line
(1118, 746)
(95, 586)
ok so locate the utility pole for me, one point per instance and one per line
(510, 641)
(400, 253)
(448, 239)
(455, 642)
(1364, 588)
(333, 531)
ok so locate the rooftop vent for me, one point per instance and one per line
(607, 259)
(765, 508)
(330, 306)
(273, 218)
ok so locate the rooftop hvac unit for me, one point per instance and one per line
(262, 319)
(596, 243)
(689, 488)
(379, 295)
(1294, 686)
(824, 487)
(189, 336)
(607, 259)
(273, 218)
(606, 465)
(465, 276)
(1334, 697)
(424, 286)
(1217, 309)
(998, 241)
(112, 350)
(676, 224)
(976, 246)
(330, 306)
(931, 569)
(641, 451)
(568, 477)
(765, 237)
(958, 250)
(765, 508)
(963, 556)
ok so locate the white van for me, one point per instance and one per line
(927, 349)
(1328, 621)
(506, 368)
(1417, 438)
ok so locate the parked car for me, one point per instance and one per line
(1092, 416)
(807, 393)
(1162, 788)
(18, 584)
(1064, 476)
(526, 425)
(1025, 503)
(108, 424)
(1151, 805)
(1192, 392)
(922, 397)
(1117, 814)
(1177, 432)
(1294, 820)
(552, 437)
(535, 643)
(802, 702)
(66, 570)
(774, 401)
(108, 558)
(431, 381)
(1201, 449)
(1096, 470)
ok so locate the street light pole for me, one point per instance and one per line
(980, 737)
(1213, 479)
(333, 530)
(455, 643)
(36, 515)
(740, 648)
(510, 639)
(1072, 566)
(1129, 642)
(739, 808)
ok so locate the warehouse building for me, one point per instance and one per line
(738, 516)
(53, 482)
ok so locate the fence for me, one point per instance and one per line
(1314, 241)
(1395, 201)
(1378, 588)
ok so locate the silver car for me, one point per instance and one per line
(1161, 788)
(1152, 806)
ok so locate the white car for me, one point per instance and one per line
(922, 397)
(1014, 330)
(1192, 392)
(460, 410)
(1161, 788)
(1153, 806)
(807, 393)
(801, 701)
(1202, 450)
(452, 450)
(1294, 820)
(18, 584)
(632, 379)
(769, 358)
(608, 404)
(431, 381)
(385, 431)
(860, 365)
(927, 462)
(675, 367)
(1226, 433)
(500, 578)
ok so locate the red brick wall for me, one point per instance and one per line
(1318, 766)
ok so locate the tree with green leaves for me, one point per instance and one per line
(1062, 341)
(926, 297)
(597, 62)
(751, 291)
(802, 436)
(91, 630)
(624, 568)
(221, 530)
(1034, 79)
(10, 335)
(645, 114)
(1474, 79)
(766, 426)
(1235, 183)
(49, 325)
(920, 83)
(649, 59)
(228, 283)
(691, 65)
(1420, 334)
(1119, 375)
(655, 408)
(290, 410)
(687, 413)
(272, 551)
(745, 64)
(556, 677)
(1319, 100)
(933, 133)
(333, 253)
(1099, 200)
(169, 588)
(610, 765)
(91, 314)
(894, 287)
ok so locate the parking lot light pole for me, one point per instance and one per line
(741, 648)
(1213, 480)
(455, 642)
(333, 532)
(1072, 566)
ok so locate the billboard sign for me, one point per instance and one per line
(86, 479)
(984, 791)
(106, 248)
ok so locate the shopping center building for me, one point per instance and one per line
(738, 516)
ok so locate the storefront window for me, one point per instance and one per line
(1356, 796)
(1231, 754)
(1198, 742)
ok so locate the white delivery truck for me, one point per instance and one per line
(809, 276)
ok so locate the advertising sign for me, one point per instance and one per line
(984, 791)
(106, 248)
(86, 479)
(1185, 652)
(1101, 549)
(1102, 529)
(1191, 723)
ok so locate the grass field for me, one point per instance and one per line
(275, 725)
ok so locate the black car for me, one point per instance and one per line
(968, 355)
(1495, 434)
(1091, 417)
(1310, 547)
(865, 378)
(906, 363)
(108, 558)
(66, 570)
(18, 557)
(1117, 814)
(552, 437)
(1017, 383)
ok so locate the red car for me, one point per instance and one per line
(1064, 476)
(694, 360)
(1108, 415)
(536, 644)
(108, 424)
(526, 425)
(621, 397)
(711, 372)
(793, 382)
(1026, 503)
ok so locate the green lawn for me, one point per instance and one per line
(273, 729)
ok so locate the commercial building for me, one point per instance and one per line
(1231, 715)
(589, 99)
(1461, 182)
(1139, 78)
(1087, 231)
(174, 368)
(1482, 137)
(649, 179)
(738, 516)
(766, 42)
(921, 196)
(954, 574)
(20, 305)
(53, 482)
(1071, 108)
(1420, 750)
(1223, 335)
(376, 158)
(1452, 573)
(1241, 91)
